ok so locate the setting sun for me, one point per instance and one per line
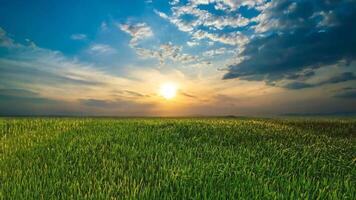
(168, 90)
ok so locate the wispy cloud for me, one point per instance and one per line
(6, 41)
(346, 93)
(192, 43)
(219, 51)
(101, 49)
(167, 51)
(79, 36)
(138, 32)
(340, 78)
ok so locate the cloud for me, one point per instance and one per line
(233, 38)
(41, 69)
(174, 52)
(138, 32)
(216, 52)
(2, 32)
(304, 75)
(208, 19)
(79, 36)
(6, 41)
(30, 43)
(346, 93)
(104, 26)
(22, 101)
(44, 68)
(135, 94)
(174, 2)
(203, 18)
(18, 93)
(36, 81)
(97, 103)
(298, 85)
(117, 107)
(232, 5)
(192, 43)
(112, 103)
(188, 95)
(161, 14)
(292, 40)
(101, 49)
(167, 52)
(344, 77)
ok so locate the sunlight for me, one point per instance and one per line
(168, 90)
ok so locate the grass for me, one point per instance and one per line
(92, 158)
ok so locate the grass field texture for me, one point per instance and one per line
(164, 158)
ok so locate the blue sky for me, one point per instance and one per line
(227, 57)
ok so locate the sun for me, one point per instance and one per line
(168, 90)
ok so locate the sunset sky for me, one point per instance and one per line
(223, 57)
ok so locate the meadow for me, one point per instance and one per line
(182, 158)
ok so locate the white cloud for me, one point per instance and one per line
(54, 76)
(174, 2)
(138, 32)
(234, 38)
(213, 22)
(167, 52)
(192, 43)
(103, 26)
(78, 36)
(205, 18)
(101, 49)
(161, 14)
(175, 53)
(231, 5)
(8, 42)
(146, 53)
(30, 43)
(219, 51)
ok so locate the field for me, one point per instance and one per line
(166, 158)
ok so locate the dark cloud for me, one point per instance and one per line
(188, 95)
(344, 77)
(116, 107)
(112, 104)
(23, 102)
(22, 96)
(297, 85)
(18, 93)
(301, 76)
(129, 94)
(299, 35)
(97, 103)
(136, 94)
(346, 93)
(26, 102)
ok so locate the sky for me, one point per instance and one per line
(225, 57)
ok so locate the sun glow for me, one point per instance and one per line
(168, 90)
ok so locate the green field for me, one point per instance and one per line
(198, 158)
